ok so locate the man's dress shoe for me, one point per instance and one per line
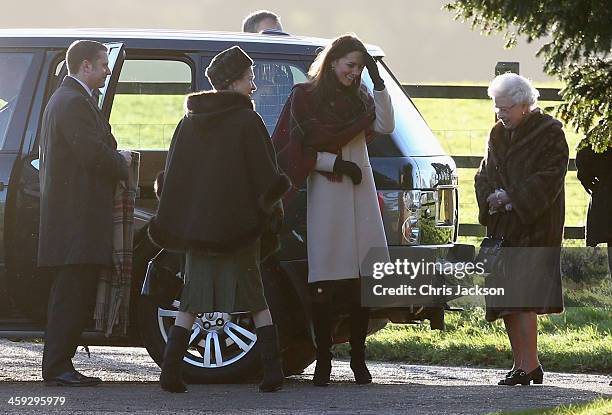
(73, 378)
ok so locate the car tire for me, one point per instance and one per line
(436, 318)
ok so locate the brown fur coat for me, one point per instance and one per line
(531, 168)
(530, 163)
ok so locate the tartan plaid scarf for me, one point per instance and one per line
(111, 313)
(309, 124)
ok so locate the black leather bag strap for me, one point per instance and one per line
(501, 225)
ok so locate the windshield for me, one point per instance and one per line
(274, 80)
(412, 136)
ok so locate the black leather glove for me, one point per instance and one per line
(348, 168)
(589, 182)
(370, 64)
(277, 217)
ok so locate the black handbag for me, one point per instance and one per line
(491, 252)
(164, 277)
(491, 255)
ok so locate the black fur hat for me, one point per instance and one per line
(227, 67)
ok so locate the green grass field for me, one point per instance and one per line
(146, 121)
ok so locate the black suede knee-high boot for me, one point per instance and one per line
(171, 378)
(322, 324)
(271, 360)
(358, 327)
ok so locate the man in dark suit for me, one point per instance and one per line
(79, 170)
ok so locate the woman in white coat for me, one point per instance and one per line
(321, 137)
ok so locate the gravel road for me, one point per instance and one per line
(130, 387)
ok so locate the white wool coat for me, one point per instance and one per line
(343, 220)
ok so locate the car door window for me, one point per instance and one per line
(13, 70)
(274, 80)
(116, 55)
(149, 102)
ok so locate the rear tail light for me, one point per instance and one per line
(411, 212)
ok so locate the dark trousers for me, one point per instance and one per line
(71, 304)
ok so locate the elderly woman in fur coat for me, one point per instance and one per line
(520, 194)
(220, 191)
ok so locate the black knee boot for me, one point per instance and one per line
(322, 324)
(271, 361)
(358, 326)
(171, 379)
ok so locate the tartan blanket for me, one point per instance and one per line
(111, 313)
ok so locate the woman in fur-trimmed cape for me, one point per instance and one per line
(220, 191)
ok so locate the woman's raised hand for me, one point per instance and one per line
(370, 64)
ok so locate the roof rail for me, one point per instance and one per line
(274, 32)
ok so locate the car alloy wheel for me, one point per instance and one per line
(217, 339)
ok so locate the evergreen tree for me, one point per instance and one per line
(578, 50)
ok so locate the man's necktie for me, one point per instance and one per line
(95, 98)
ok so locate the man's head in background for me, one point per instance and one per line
(261, 20)
(87, 60)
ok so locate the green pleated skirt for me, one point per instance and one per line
(223, 282)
